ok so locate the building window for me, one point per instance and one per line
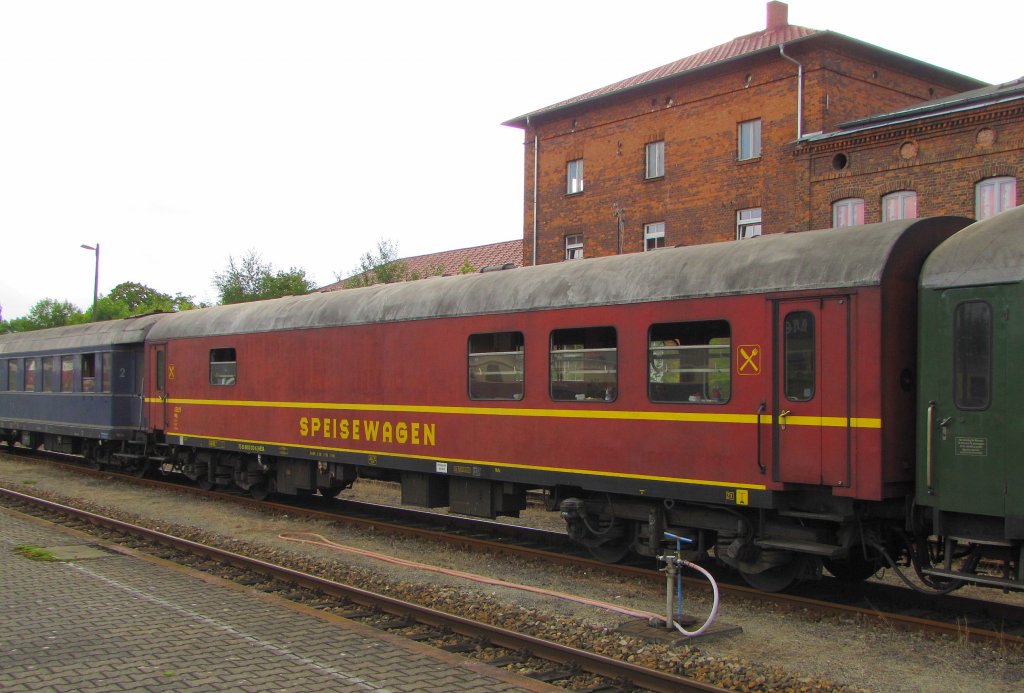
(899, 205)
(584, 365)
(655, 160)
(848, 212)
(690, 362)
(574, 246)
(574, 177)
(750, 139)
(223, 367)
(496, 362)
(994, 195)
(654, 236)
(748, 223)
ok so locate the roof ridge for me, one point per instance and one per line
(732, 49)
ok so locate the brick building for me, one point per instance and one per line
(961, 155)
(784, 129)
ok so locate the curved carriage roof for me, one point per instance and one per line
(986, 252)
(780, 262)
(93, 335)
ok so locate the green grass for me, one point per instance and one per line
(34, 553)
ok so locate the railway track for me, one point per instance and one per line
(954, 616)
(559, 663)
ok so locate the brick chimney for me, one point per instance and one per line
(778, 15)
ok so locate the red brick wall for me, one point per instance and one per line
(941, 159)
(697, 116)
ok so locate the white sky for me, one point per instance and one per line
(179, 133)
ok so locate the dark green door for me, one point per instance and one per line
(965, 401)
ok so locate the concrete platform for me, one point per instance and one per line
(105, 620)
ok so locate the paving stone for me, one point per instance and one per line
(113, 622)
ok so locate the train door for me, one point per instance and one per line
(811, 392)
(158, 376)
(964, 402)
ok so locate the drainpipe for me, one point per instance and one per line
(536, 151)
(799, 93)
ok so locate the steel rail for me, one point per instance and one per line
(896, 620)
(650, 679)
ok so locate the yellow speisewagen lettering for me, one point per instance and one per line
(369, 430)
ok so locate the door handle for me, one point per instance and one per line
(782, 418)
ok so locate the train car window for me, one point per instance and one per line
(30, 374)
(690, 362)
(14, 374)
(88, 372)
(67, 373)
(161, 371)
(584, 365)
(48, 373)
(972, 355)
(223, 367)
(496, 363)
(107, 370)
(800, 357)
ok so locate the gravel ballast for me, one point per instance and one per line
(776, 650)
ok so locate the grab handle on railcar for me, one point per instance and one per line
(760, 410)
(928, 447)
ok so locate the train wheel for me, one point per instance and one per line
(610, 551)
(330, 491)
(777, 578)
(259, 491)
(856, 568)
(204, 483)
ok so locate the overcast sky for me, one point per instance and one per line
(177, 134)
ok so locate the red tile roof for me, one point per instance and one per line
(751, 43)
(478, 257)
(452, 261)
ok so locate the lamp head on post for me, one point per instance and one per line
(96, 278)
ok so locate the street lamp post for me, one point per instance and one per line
(96, 279)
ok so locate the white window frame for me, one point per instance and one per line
(901, 204)
(654, 235)
(655, 160)
(847, 212)
(994, 195)
(574, 177)
(748, 223)
(574, 246)
(748, 140)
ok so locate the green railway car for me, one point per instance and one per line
(970, 462)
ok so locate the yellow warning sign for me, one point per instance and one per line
(748, 359)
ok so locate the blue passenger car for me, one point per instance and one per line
(74, 386)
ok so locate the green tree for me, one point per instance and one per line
(48, 312)
(434, 271)
(382, 267)
(131, 298)
(252, 279)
